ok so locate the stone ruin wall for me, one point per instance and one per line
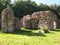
(47, 20)
(16, 23)
(28, 21)
(44, 18)
(25, 22)
(37, 18)
(7, 20)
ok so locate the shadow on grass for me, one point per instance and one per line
(24, 32)
(32, 28)
(57, 30)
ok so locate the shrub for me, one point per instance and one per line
(44, 30)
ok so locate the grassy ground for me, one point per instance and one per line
(24, 37)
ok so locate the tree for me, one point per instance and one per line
(22, 8)
(6, 2)
(54, 9)
(43, 7)
(58, 10)
(1, 6)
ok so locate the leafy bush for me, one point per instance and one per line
(44, 30)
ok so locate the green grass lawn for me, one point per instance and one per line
(30, 37)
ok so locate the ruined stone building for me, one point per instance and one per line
(16, 23)
(28, 21)
(7, 20)
(25, 22)
(35, 19)
(41, 19)
(47, 20)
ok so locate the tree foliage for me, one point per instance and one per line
(21, 7)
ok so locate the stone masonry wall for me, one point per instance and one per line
(47, 20)
(42, 19)
(7, 20)
(16, 23)
(25, 22)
